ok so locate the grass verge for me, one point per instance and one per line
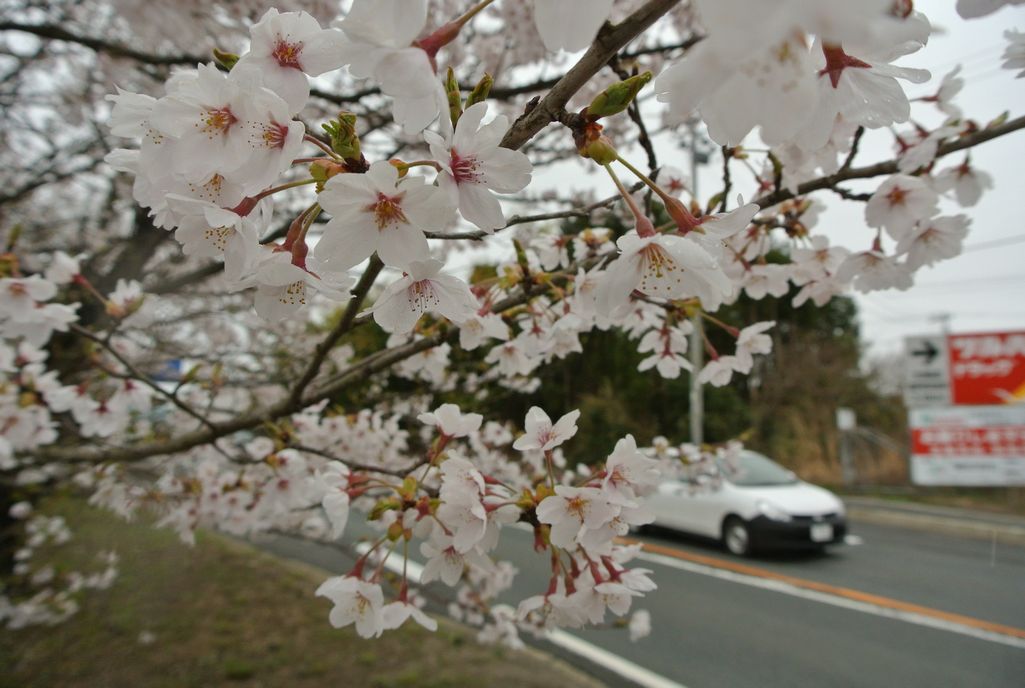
(224, 614)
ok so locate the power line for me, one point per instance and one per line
(995, 243)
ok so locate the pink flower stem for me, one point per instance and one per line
(283, 187)
(734, 332)
(321, 145)
(644, 226)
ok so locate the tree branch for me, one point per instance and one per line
(610, 40)
(359, 294)
(890, 166)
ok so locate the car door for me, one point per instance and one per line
(705, 505)
(670, 504)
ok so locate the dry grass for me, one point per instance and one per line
(225, 615)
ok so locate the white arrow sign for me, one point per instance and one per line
(927, 374)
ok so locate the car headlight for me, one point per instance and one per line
(771, 511)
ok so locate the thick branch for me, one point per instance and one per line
(359, 294)
(58, 33)
(890, 166)
(610, 40)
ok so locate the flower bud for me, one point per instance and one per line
(455, 98)
(617, 97)
(599, 149)
(480, 92)
(224, 59)
(342, 133)
(322, 170)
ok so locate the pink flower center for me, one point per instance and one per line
(388, 210)
(837, 61)
(421, 296)
(274, 135)
(466, 170)
(218, 120)
(287, 54)
(658, 264)
(211, 190)
(577, 506)
(17, 289)
(896, 196)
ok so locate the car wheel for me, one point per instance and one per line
(736, 537)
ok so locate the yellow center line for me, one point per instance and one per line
(848, 593)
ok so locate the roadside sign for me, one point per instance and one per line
(968, 445)
(987, 368)
(927, 375)
(846, 419)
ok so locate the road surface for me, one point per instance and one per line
(901, 608)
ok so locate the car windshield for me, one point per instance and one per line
(750, 469)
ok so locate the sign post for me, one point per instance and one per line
(927, 374)
(966, 395)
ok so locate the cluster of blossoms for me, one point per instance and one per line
(224, 157)
(575, 517)
(54, 594)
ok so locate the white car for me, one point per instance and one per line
(750, 503)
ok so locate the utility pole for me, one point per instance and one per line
(697, 338)
(944, 320)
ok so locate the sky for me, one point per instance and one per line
(984, 288)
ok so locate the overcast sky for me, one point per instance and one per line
(983, 289)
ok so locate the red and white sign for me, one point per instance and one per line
(968, 445)
(987, 368)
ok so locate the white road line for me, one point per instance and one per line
(613, 662)
(571, 643)
(835, 600)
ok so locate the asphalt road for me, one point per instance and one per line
(903, 608)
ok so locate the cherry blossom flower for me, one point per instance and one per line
(395, 614)
(667, 347)
(380, 46)
(971, 9)
(451, 421)
(272, 140)
(922, 153)
(284, 288)
(966, 181)
(640, 625)
(285, 47)
(541, 434)
(205, 114)
(510, 358)
(21, 294)
(764, 279)
(573, 509)
(570, 24)
(718, 372)
(1014, 53)
(933, 240)
(379, 212)
(751, 342)
(474, 166)
(664, 266)
(899, 203)
(335, 502)
(423, 289)
(478, 328)
(628, 473)
(355, 601)
(950, 86)
(205, 230)
(873, 270)
(816, 262)
(862, 86)
(62, 269)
